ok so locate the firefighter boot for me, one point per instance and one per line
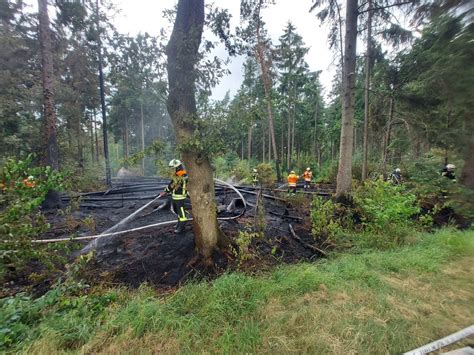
(179, 228)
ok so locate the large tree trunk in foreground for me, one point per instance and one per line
(344, 173)
(182, 52)
(51, 156)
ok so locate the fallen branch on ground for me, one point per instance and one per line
(307, 245)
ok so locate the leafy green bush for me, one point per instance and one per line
(72, 318)
(20, 219)
(328, 172)
(329, 219)
(266, 175)
(224, 164)
(425, 181)
(382, 216)
(242, 171)
(385, 205)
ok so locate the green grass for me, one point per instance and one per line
(369, 302)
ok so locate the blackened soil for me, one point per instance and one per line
(161, 257)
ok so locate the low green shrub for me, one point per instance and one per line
(385, 206)
(329, 219)
(423, 178)
(242, 171)
(20, 219)
(328, 172)
(380, 215)
(266, 175)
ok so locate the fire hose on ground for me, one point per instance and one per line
(111, 231)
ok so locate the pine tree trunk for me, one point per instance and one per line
(96, 140)
(388, 134)
(105, 136)
(263, 146)
(366, 91)
(293, 119)
(50, 132)
(182, 52)
(269, 148)
(142, 136)
(282, 144)
(80, 153)
(91, 136)
(249, 143)
(288, 143)
(267, 86)
(344, 174)
(126, 140)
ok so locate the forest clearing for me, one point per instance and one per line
(228, 184)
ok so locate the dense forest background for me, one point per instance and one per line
(90, 260)
(412, 88)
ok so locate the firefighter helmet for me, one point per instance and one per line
(174, 163)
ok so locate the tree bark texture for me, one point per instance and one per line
(267, 86)
(96, 142)
(249, 143)
(142, 136)
(269, 147)
(182, 52)
(388, 134)
(366, 91)
(91, 137)
(288, 142)
(51, 157)
(108, 177)
(344, 174)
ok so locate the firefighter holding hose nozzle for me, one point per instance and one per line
(178, 190)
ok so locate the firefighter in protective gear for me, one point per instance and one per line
(255, 178)
(178, 190)
(292, 180)
(448, 172)
(396, 177)
(29, 182)
(307, 176)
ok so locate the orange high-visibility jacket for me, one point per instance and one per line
(29, 183)
(308, 175)
(292, 179)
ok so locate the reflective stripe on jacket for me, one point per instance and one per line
(292, 179)
(178, 185)
(308, 175)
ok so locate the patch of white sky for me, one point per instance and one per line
(146, 16)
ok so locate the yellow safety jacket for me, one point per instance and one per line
(178, 185)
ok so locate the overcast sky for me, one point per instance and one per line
(145, 16)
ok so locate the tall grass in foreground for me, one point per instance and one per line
(372, 302)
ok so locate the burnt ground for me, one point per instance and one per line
(162, 258)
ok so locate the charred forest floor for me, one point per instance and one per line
(157, 255)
